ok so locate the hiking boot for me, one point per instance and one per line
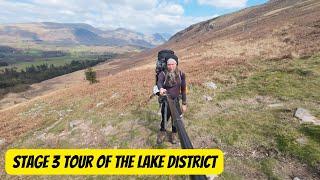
(161, 136)
(174, 138)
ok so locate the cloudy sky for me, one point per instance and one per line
(146, 16)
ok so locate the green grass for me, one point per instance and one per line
(267, 166)
(311, 131)
(229, 176)
(286, 79)
(309, 153)
(248, 126)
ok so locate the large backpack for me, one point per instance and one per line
(163, 57)
(161, 64)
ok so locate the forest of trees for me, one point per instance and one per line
(3, 63)
(12, 80)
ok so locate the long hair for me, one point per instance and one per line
(172, 78)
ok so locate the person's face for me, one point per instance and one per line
(171, 66)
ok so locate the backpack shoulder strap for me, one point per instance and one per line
(165, 77)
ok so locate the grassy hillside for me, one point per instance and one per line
(260, 139)
(265, 61)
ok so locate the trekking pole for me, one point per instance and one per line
(155, 93)
(183, 136)
(164, 106)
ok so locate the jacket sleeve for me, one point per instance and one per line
(161, 78)
(183, 89)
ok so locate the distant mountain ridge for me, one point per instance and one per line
(77, 33)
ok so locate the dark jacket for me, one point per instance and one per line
(175, 90)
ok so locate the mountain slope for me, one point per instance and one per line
(275, 29)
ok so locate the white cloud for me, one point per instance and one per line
(147, 16)
(138, 5)
(172, 9)
(186, 1)
(224, 3)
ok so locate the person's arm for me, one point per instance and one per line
(160, 83)
(183, 89)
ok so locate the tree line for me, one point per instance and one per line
(12, 80)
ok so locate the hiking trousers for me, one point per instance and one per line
(166, 113)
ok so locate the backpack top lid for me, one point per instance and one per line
(166, 54)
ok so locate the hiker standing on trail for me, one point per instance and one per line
(171, 81)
